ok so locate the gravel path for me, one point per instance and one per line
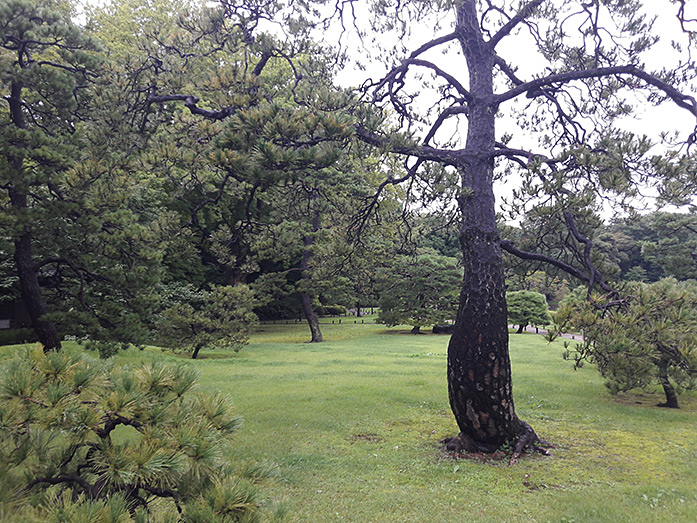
(542, 332)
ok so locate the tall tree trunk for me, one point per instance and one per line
(479, 369)
(27, 271)
(305, 298)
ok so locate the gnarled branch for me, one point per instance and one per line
(535, 88)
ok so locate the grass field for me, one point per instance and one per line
(353, 425)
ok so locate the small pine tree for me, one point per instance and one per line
(81, 437)
(219, 319)
(527, 308)
(420, 291)
(647, 337)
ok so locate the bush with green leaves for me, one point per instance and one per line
(83, 439)
(17, 336)
(221, 318)
(646, 337)
(420, 290)
(527, 308)
(331, 310)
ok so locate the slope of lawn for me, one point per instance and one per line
(353, 425)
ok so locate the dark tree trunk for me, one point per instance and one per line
(671, 395)
(358, 309)
(236, 275)
(197, 349)
(479, 370)
(416, 329)
(305, 298)
(32, 296)
(27, 271)
(521, 328)
(311, 316)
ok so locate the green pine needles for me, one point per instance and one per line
(647, 337)
(86, 440)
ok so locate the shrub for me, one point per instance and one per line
(527, 308)
(647, 337)
(222, 320)
(334, 310)
(17, 336)
(81, 437)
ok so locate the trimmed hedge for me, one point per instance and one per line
(17, 336)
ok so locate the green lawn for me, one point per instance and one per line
(353, 425)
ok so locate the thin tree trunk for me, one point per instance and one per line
(305, 298)
(27, 271)
(521, 328)
(311, 316)
(671, 395)
(194, 355)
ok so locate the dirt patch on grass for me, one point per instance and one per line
(369, 437)
(493, 458)
(480, 457)
(638, 398)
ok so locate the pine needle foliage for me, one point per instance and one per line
(647, 337)
(86, 440)
(221, 319)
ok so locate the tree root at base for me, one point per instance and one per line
(526, 440)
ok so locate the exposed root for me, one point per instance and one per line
(527, 440)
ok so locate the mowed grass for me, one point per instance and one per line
(353, 425)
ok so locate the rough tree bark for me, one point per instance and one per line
(479, 369)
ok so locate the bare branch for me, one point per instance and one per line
(64, 479)
(524, 12)
(399, 71)
(433, 43)
(510, 247)
(595, 276)
(534, 88)
(191, 103)
(423, 152)
(442, 117)
(682, 19)
(507, 70)
(516, 155)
